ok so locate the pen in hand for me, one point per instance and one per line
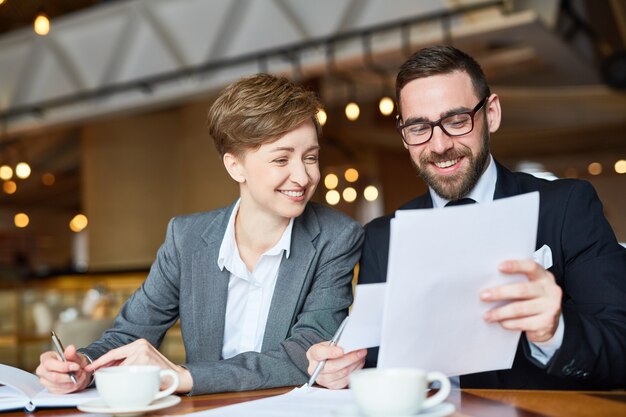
(333, 342)
(60, 350)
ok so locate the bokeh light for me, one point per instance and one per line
(6, 172)
(331, 181)
(352, 111)
(349, 194)
(9, 187)
(595, 168)
(322, 117)
(41, 25)
(351, 175)
(370, 193)
(22, 170)
(386, 106)
(78, 223)
(48, 179)
(333, 197)
(21, 220)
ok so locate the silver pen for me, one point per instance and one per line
(59, 348)
(333, 342)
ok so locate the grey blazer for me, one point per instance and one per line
(312, 295)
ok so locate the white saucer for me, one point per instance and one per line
(99, 407)
(439, 410)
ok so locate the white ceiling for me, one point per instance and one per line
(553, 101)
(124, 42)
(133, 46)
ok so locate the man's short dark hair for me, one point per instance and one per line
(437, 60)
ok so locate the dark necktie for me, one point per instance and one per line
(460, 202)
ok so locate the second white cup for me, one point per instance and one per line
(396, 391)
(133, 386)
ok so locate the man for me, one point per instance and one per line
(572, 309)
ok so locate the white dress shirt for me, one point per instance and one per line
(249, 292)
(483, 193)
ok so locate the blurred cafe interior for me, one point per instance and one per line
(103, 124)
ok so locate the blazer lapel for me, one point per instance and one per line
(210, 291)
(506, 185)
(424, 201)
(292, 274)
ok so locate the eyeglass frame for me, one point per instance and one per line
(400, 127)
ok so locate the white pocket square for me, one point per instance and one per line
(543, 256)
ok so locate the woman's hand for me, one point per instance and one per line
(338, 365)
(54, 374)
(141, 352)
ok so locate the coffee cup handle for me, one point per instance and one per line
(443, 392)
(169, 390)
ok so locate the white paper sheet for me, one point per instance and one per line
(299, 402)
(366, 318)
(439, 261)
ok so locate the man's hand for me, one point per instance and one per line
(535, 305)
(54, 374)
(141, 352)
(338, 366)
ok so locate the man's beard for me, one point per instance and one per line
(454, 187)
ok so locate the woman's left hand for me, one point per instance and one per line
(141, 352)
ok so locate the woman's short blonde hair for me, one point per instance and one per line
(257, 110)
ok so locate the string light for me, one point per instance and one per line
(322, 117)
(386, 106)
(22, 170)
(78, 223)
(595, 168)
(41, 25)
(333, 197)
(352, 111)
(349, 194)
(620, 166)
(48, 179)
(9, 187)
(370, 193)
(331, 181)
(351, 175)
(6, 172)
(21, 220)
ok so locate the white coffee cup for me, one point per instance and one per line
(134, 385)
(396, 391)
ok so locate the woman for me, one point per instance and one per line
(254, 284)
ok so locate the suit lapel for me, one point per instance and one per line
(210, 289)
(424, 201)
(506, 185)
(292, 274)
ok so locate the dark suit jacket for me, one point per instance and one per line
(588, 264)
(312, 295)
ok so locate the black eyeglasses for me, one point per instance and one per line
(458, 124)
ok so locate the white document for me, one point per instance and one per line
(299, 402)
(439, 261)
(366, 318)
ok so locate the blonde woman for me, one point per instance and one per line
(254, 284)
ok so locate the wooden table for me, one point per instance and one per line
(469, 403)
